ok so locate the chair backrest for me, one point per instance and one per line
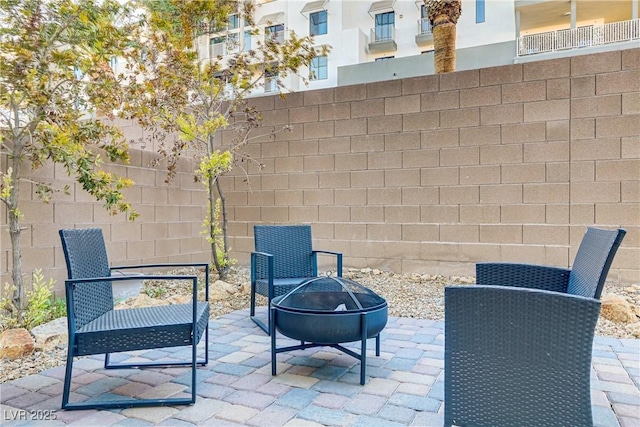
(86, 257)
(593, 260)
(291, 246)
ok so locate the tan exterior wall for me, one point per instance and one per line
(435, 173)
(168, 229)
(428, 174)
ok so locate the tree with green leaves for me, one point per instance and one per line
(55, 77)
(185, 100)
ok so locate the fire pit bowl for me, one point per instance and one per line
(327, 311)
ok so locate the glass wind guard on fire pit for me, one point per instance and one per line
(330, 294)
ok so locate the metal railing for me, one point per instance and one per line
(590, 35)
(383, 33)
(217, 49)
(275, 36)
(270, 84)
(424, 27)
(226, 46)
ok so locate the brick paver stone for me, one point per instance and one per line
(153, 414)
(314, 387)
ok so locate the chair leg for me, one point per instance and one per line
(252, 311)
(269, 314)
(252, 306)
(194, 363)
(260, 324)
(67, 379)
(133, 403)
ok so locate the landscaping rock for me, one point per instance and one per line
(51, 335)
(634, 329)
(617, 309)
(16, 343)
(245, 288)
(142, 300)
(229, 288)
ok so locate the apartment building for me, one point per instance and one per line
(385, 40)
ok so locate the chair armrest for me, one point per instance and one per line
(523, 275)
(178, 264)
(338, 256)
(254, 265)
(510, 351)
(70, 284)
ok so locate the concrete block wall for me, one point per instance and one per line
(432, 174)
(168, 229)
(428, 174)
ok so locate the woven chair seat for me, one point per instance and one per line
(141, 328)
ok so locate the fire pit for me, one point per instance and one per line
(328, 311)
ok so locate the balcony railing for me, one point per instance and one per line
(383, 33)
(591, 35)
(424, 26)
(275, 36)
(270, 84)
(217, 49)
(382, 39)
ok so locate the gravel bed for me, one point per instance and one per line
(415, 296)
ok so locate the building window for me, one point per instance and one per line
(275, 33)
(233, 42)
(318, 23)
(480, 4)
(318, 68)
(270, 81)
(216, 26)
(247, 41)
(425, 25)
(385, 23)
(234, 22)
(384, 58)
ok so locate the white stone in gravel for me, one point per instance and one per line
(51, 335)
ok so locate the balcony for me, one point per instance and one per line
(576, 38)
(382, 39)
(270, 84)
(217, 49)
(274, 36)
(424, 37)
(223, 46)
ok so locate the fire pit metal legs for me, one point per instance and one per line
(362, 357)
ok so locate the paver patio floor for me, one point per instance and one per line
(318, 386)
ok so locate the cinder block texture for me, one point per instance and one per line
(435, 173)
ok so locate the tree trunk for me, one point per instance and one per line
(223, 211)
(444, 43)
(212, 227)
(14, 233)
(443, 16)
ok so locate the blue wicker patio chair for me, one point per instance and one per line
(283, 259)
(518, 344)
(94, 326)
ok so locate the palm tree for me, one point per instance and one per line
(443, 16)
